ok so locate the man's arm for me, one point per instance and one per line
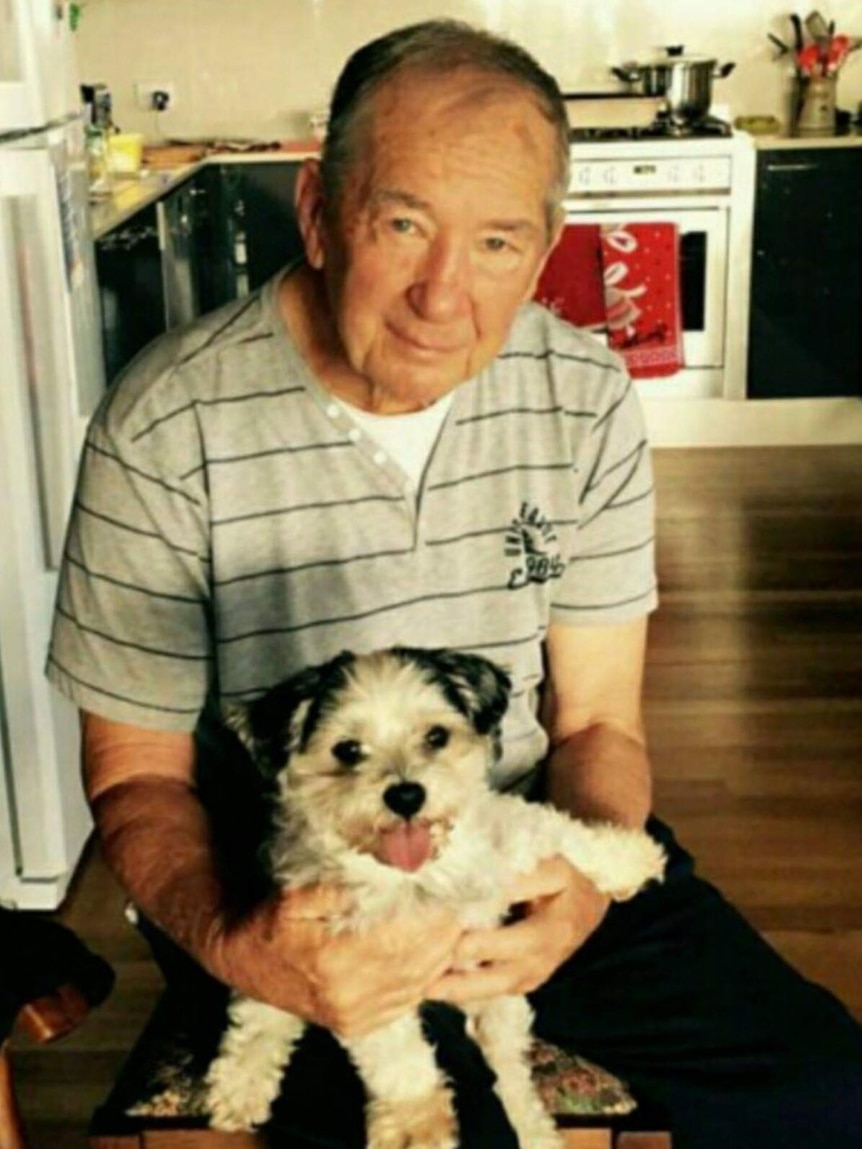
(155, 835)
(598, 767)
(598, 770)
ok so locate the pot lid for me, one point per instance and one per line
(675, 55)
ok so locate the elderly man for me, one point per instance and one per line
(390, 443)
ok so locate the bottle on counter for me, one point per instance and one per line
(98, 125)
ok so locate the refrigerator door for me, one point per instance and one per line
(52, 378)
(38, 75)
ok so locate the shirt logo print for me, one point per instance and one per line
(531, 539)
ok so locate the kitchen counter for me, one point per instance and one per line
(767, 143)
(132, 193)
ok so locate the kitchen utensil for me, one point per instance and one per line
(816, 26)
(798, 37)
(684, 81)
(783, 48)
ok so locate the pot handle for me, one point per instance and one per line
(723, 70)
(628, 73)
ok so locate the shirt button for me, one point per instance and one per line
(354, 435)
(332, 410)
(379, 458)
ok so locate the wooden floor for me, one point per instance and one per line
(754, 710)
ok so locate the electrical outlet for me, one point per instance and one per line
(155, 95)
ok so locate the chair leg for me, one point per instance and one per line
(11, 1129)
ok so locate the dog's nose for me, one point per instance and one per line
(405, 798)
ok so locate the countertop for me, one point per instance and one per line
(130, 194)
(849, 140)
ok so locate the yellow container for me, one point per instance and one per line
(125, 152)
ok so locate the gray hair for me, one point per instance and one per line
(436, 47)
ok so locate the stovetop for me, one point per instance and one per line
(662, 128)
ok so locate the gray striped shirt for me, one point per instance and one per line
(233, 525)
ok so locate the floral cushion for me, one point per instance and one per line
(571, 1086)
(163, 1077)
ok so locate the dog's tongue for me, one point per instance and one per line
(407, 845)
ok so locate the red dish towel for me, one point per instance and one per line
(642, 299)
(624, 279)
(571, 284)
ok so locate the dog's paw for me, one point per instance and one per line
(236, 1101)
(414, 1123)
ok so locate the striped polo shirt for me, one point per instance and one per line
(233, 524)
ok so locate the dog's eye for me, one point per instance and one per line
(437, 737)
(348, 752)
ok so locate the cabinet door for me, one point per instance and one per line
(131, 290)
(252, 231)
(272, 235)
(806, 299)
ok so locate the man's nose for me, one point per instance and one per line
(441, 288)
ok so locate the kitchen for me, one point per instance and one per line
(206, 55)
(206, 52)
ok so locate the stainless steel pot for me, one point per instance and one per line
(685, 82)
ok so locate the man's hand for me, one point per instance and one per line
(561, 909)
(349, 982)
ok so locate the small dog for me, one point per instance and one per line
(380, 763)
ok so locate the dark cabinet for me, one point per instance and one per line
(151, 271)
(131, 291)
(806, 291)
(215, 237)
(254, 231)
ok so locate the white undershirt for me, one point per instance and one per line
(407, 439)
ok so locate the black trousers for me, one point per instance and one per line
(674, 992)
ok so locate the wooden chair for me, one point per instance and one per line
(49, 982)
(154, 1103)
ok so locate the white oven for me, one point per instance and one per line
(705, 187)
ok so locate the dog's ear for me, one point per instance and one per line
(270, 726)
(476, 686)
(273, 726)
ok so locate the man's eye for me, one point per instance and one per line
(495, 243)
(402, 226)
(437, 737)
(348, 752)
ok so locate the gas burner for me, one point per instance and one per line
(662, 128)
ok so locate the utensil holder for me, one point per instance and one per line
(816, 115)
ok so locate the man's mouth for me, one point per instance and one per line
(425, 346)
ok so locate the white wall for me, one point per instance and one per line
(257, 67)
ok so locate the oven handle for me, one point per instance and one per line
(791, 167)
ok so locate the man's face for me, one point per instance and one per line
(440, 234)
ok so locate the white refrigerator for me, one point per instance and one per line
(51, 377)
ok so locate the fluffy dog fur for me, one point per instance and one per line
(380, 764)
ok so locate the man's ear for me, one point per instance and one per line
(557, 231)
(309, 202)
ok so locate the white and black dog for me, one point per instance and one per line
(381, 766)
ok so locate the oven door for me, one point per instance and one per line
(703, 234)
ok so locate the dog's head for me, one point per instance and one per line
(381, 750)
